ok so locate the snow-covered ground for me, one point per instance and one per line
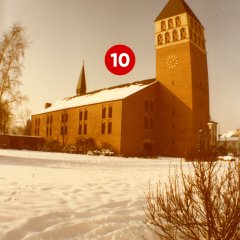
(52, 196)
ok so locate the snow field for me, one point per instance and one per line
(56, 196)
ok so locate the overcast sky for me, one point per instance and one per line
(63, 33)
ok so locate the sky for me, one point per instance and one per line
(63, 33)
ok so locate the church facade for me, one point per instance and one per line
(161, 116)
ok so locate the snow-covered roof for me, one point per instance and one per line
(105, 95)
(230, 136)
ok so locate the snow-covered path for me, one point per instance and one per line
(55, 196)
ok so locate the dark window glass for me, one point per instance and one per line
(103, 128)
(146, 105)
(66, 117)
(104, 112)
(39, 122)
(110, 112)
(85, 129)
(80, 129)
(62, 118)
(50, 131)
(110, 127)
(80, 116)
(85, 115)
(66, 130)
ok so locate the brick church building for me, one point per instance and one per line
(161, 116)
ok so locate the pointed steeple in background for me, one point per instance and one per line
(81, 86)
(175, 7)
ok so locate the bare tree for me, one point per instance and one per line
(202, 203)
(12, 48)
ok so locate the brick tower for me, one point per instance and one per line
(181, 69)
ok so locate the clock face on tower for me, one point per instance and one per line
(172, 61)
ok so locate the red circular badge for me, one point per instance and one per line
(120, 59)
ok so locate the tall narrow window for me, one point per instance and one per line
(39, 122)
(85, 115)
(110, 110)
(109, 127)
(175, 35)
(36, 121)
(170, 24)
(163, 26)
(103, 112)
(80, 129)
(66, 130)
(103, 128)
(178, 21)
(183, 33)
(62, 130)
(85, 129)
(160, 39)
(50, 131)
(167, 37)
(66, 117)
(80, 116)
(51, 120)
(146, 105)
(62, 118)
(151, 106)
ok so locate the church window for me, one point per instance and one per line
(170, 24)
(39, 122)
(50, 131)
(163, 26)
(85, 115)
(183, 33)
(80, 129)
(38, 132)
(80, 115)
(85, 129)
(110, 110)
(146, 105)
(66, 117)
(145, 123)
(151, 106)
(178, 21)
(167, 37)
(51, 119)
(160, 39)
(104, 112)
(109, 127)
(62, 118)
(150, 124)
(36, 122)
(175, 35)
(103, 128)
(66, 130)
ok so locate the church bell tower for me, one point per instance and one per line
(181, 69)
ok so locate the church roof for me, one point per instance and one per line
(104, 95)
(175, 7)
(81, 86)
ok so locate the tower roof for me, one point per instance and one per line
(175, 7)
(81, 86)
